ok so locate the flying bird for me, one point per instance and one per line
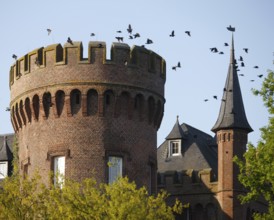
(119, 31)
(205, 100)
(100, 45)
(7, 109)
(241, 58)
(242, 64)
(230, 28)
(252, 80)
(260, 76)
(241, 74)
(256, 67)
(214, 50)
(49, 31)
(92, 34)
(14, 56)
(69, 41)
(188, 33)
(179, 65)
(174, 68)
(120, 39)
(136, 35)
(149, 41)
(246, 50)
(129, 30)
(130, 37)
(215, 97)
(226, 44)
(172, 34)
(221, 52)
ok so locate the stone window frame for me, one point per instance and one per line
(178, 143)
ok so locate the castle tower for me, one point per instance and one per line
(231, 129)
(90, 116)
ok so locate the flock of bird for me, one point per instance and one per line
(133, 35)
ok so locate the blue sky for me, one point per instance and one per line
(203, 73)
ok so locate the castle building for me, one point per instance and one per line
(199, 169)
(83, 117)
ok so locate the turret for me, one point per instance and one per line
(77, 115)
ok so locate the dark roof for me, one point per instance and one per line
(232, 112)
(199, 151)
(176, 132)
(6, 142)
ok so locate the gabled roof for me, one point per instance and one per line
(199, 151)
(176, 132)
(6, 147)
(232, 112)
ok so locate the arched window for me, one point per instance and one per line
(28, 109)
(22, 113)
(47, 103)
(36, 106)
(139, 106)
(75, 101)
(18, 116)
(92, 102)
(109, 102)
(151, 109)
(59, 102)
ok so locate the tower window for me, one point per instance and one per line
(3, 169)
(115, 168)
(175, 148)
(59, 170)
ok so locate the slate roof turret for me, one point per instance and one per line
(5, 148)
(232, 112)
(176, 132)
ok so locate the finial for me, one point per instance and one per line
(177, 117)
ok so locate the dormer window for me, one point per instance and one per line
(175, 147)
(3, 169)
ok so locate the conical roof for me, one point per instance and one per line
(232, 112)
(176, 132)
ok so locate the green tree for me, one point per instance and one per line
(257, 168)
(30, 199)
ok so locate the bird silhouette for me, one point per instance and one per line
(188, 33)
(214, 50)
(215, 97)
(120, 39)
(129, 30)
(136, 35)
(221, 52)
(100, 45)
(172, 34)
(241, 58)
(119, 31)
(49, 31)
(226, 44)
(241, 74)
(130, 37)
(179, 65)
(174, 68)
(149, 41)
(205, 100)
(7, 109)
(92, 34)
(69, 41)
(242, 64)
(14, 56)
(230, 28)
(260, 76)
(256, 67)
(246, 50)
(252, 80)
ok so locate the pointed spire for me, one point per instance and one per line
(232, 112)
(176, 132)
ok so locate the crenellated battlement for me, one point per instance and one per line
(72, 54)
(186, 181)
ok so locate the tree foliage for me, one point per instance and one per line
(28, 198)
(257, 170)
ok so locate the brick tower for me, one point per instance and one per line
(231, 131)
(90, 116)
